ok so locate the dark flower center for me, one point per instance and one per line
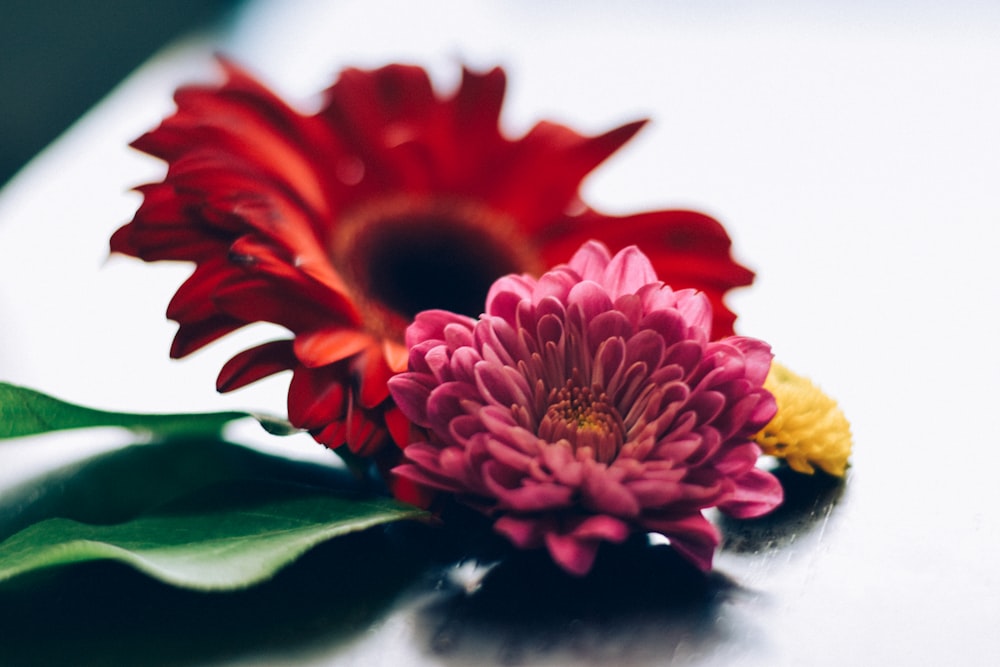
(404, 256)
(583, 417)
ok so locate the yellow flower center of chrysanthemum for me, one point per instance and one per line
(583, 418)
(403, 255)
(809, 428)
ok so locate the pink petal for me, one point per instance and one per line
(523, 532)
(590, 260)
(670, 325)
(608, 360)
(602, 527)
(655, 493)
(426, 477)
(559, 460)
(627, 271)
(573, 555)
(502, 385)
(589, 299)
(554, 284)
(506, 293)
(446, 402)
(411, 391)
(757, 355)
(757, 492)
(510, 456)
(697, 311)
(693, 536)
(528, 498)
(604, 495)
(431, 324)
(610, 324)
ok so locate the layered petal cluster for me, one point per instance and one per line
(809, 429)
(341, 225)
(587, 404)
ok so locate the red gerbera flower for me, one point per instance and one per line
(392, 199)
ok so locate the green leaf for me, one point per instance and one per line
(223, 537)
(155, 505)
(121, 484)
(26, 412)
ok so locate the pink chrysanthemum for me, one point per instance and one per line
(587, 404)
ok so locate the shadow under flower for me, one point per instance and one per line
(640, 603)
(809, 501)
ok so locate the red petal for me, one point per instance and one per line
(360, 431)
(196, 335)
(396, 355)
(222, 118)
(319, 348)
(320, 400)
(398, 425)
(256, 363)
(193, 300)
(270, 289)
(545, 168)
(375, 111)
(374, 374)
(193, 308)
(477, 103)
(316, 282)
(318, 397)
(409, 491)
(167, 226)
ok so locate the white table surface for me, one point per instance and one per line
(852, 151)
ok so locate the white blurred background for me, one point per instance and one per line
(852, 150)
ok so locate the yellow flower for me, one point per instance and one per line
(809, 429)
